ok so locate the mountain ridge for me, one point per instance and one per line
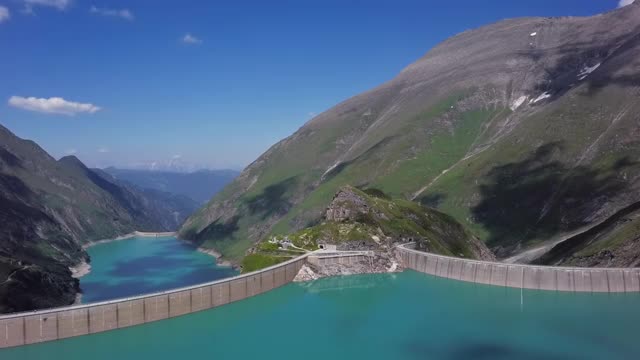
(198, 185)
(477, 111)
(51, 208)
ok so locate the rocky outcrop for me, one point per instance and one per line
(346, 205)
(371, 221)
(379, 263)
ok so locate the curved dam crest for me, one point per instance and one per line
(59, 323)
(535, 277)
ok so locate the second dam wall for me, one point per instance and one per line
(612, 280)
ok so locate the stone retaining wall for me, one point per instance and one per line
(153, 234)
(321, 260)
(523, 276)
(46, 325)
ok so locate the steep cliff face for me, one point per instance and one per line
(526, 131)
(49, 209)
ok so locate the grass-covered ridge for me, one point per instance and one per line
(370, 219)
(289, 187)
(466, 130)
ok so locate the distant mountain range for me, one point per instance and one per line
(49, 209)
(199, 185)
(526, 131)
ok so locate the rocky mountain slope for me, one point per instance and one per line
(526, 131)
(49, 209)
(370, 220)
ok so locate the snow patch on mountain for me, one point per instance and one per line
(586, 70)
(542, 96)
(517, 102)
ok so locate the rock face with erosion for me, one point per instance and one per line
(380, 262)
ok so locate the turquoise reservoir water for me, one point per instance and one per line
(142, 265)
(390, 316)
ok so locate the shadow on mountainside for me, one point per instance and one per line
(432, 200)
(540, 196)
(217, 230)
(368, 154)
(273, 199)
(565, 249)
(9, 158)
(612, 56)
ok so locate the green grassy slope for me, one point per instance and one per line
(500, 130)
(375, 220)
(549, 175)
(293, 189)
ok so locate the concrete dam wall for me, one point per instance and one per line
(59, 323)
(344, 257)
(613, 280)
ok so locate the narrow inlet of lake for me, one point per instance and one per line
(142, 265)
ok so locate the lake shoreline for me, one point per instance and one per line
(80, 270)
(219, 261)
(129, 236)
(84, 267)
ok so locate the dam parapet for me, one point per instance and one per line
(552, 278)
(60, 323)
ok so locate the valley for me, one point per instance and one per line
(51, 209)
(431, 187)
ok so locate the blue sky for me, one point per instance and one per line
(207, 83)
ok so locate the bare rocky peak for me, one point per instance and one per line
(346, 205)
(512, 45)
(516, 63)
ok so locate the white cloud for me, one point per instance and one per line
(4, 14)
(122, 13)
(53, 105)
(103, 150)
(311, 114)
(58, 4)
(176, 157)
(71, 151)
(190, 39)
(623, 3)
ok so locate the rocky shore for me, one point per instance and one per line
(84, 267)
(80, 270)
(218, 256)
